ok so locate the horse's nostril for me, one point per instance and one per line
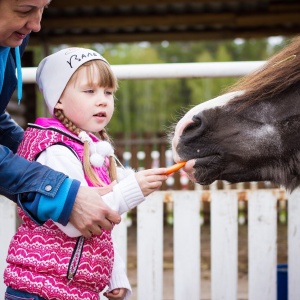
(198, 124)
(190, 128)
(197, 121)
(200, 118)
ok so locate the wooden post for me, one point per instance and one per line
(262, 237)
(294, 245)
(150, 248)
(224, 241)
(186, 245)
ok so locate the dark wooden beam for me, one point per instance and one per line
(72, 22)
(110, 22)
(284, 7)
(116, 3)
(99, 22)
(269, 19)
(162, 36)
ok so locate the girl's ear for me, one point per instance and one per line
(59, 105)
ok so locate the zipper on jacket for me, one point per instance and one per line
(75, 259)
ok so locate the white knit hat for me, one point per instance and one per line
(55, 70)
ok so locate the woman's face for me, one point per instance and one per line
(19, 18)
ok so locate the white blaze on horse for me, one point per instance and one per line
(251, 133)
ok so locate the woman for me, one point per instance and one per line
(37, 189)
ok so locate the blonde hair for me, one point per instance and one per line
(106, 79)
(105, 74)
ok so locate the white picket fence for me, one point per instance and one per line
(262, 244)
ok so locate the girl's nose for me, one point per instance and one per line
(101, 101)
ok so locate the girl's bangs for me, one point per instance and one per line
(105, 76)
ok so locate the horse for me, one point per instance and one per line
(251, 132)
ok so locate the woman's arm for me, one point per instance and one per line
(11, 134)
(19, 177)
(37, 188)
(21, 181)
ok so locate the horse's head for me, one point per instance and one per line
(252, 135)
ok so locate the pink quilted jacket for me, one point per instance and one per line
(42, 259)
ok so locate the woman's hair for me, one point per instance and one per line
(106, 79)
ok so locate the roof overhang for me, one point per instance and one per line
(114, 21)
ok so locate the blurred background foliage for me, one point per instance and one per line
(152, 106)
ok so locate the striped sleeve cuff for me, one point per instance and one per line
(59, 208)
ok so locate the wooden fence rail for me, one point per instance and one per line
(262, 243)
(153, 150)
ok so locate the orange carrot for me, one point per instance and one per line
(175, 168)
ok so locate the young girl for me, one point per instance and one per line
(54, 261)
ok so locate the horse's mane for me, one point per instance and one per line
(280, 74)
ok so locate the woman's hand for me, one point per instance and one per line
(90, 214)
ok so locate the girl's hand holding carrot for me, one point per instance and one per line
(150, 180)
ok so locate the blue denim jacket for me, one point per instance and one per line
(20, 180)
